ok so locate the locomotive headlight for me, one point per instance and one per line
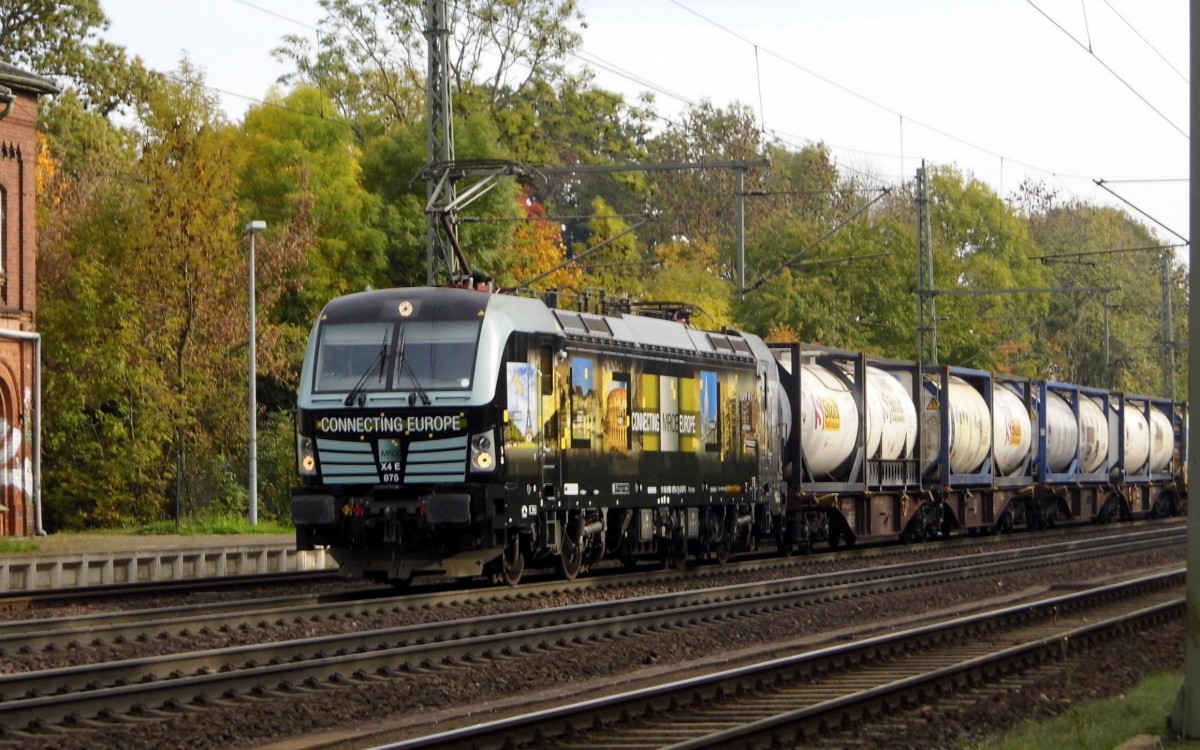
(306, 460)
(483, 457)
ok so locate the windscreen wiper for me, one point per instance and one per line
(400, 368)
(379, 360)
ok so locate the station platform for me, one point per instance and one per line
(66, 560)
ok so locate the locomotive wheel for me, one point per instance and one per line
(675, 553)
(512, 563)
(724, 549)
(570, 560)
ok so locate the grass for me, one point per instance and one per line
(1104, 723)
(215, 524)
(10, 546)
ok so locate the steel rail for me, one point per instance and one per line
(26, 635)
(55, 695)
(713, 704)
(30, 635)
(23, 600)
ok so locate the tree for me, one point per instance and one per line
(536, 248)
(1091, 246)
(698, 205)
(370, 57)
(51, 37)
(618, 267)
(58, 38)
(302, 157)
(981, 243)
(143, 348)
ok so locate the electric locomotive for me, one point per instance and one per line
(453, 431)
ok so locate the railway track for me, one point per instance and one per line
(160, 685)
(13, 601)
(794, 701)
(18, 601)
(24, 636)
(17, 637)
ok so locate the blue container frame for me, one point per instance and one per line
(1073, 395)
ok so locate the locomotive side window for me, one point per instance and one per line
(710, 411)
(583, 403)
(350, 352)
(546, 370)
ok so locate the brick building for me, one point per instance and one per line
(19, 345)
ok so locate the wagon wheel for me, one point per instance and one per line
(512, 562)
(570, 559)
(785, 540)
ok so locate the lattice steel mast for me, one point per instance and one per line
(439, 140)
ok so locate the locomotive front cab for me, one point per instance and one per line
(399, 433)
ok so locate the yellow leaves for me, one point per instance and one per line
(49, 190)
(537, 247)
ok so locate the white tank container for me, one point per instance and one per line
(1162, 441)
(1011, 428)
(1062, 433)
(1093, 436)
(970, 426)
(1137, 439)
(828, 420)
(891, 417)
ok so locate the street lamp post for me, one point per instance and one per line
(252, 229)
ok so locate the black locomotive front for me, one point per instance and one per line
(398, 434)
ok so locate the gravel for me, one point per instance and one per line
(247, 723)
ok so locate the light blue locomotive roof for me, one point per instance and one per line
(500, 316)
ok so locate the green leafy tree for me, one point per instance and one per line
(686, 272)
(371, 54)
(1090, 246)
(391, 169)
(143, 257)
(981, 243)
(60, 39)
(302, 157)
(699, 204)
(616, 268)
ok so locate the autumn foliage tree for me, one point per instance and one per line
(536, 251)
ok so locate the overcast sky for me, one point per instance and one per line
(1004, 89)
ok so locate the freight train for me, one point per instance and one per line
(470, 433)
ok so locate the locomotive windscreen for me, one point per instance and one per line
(382, 356)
